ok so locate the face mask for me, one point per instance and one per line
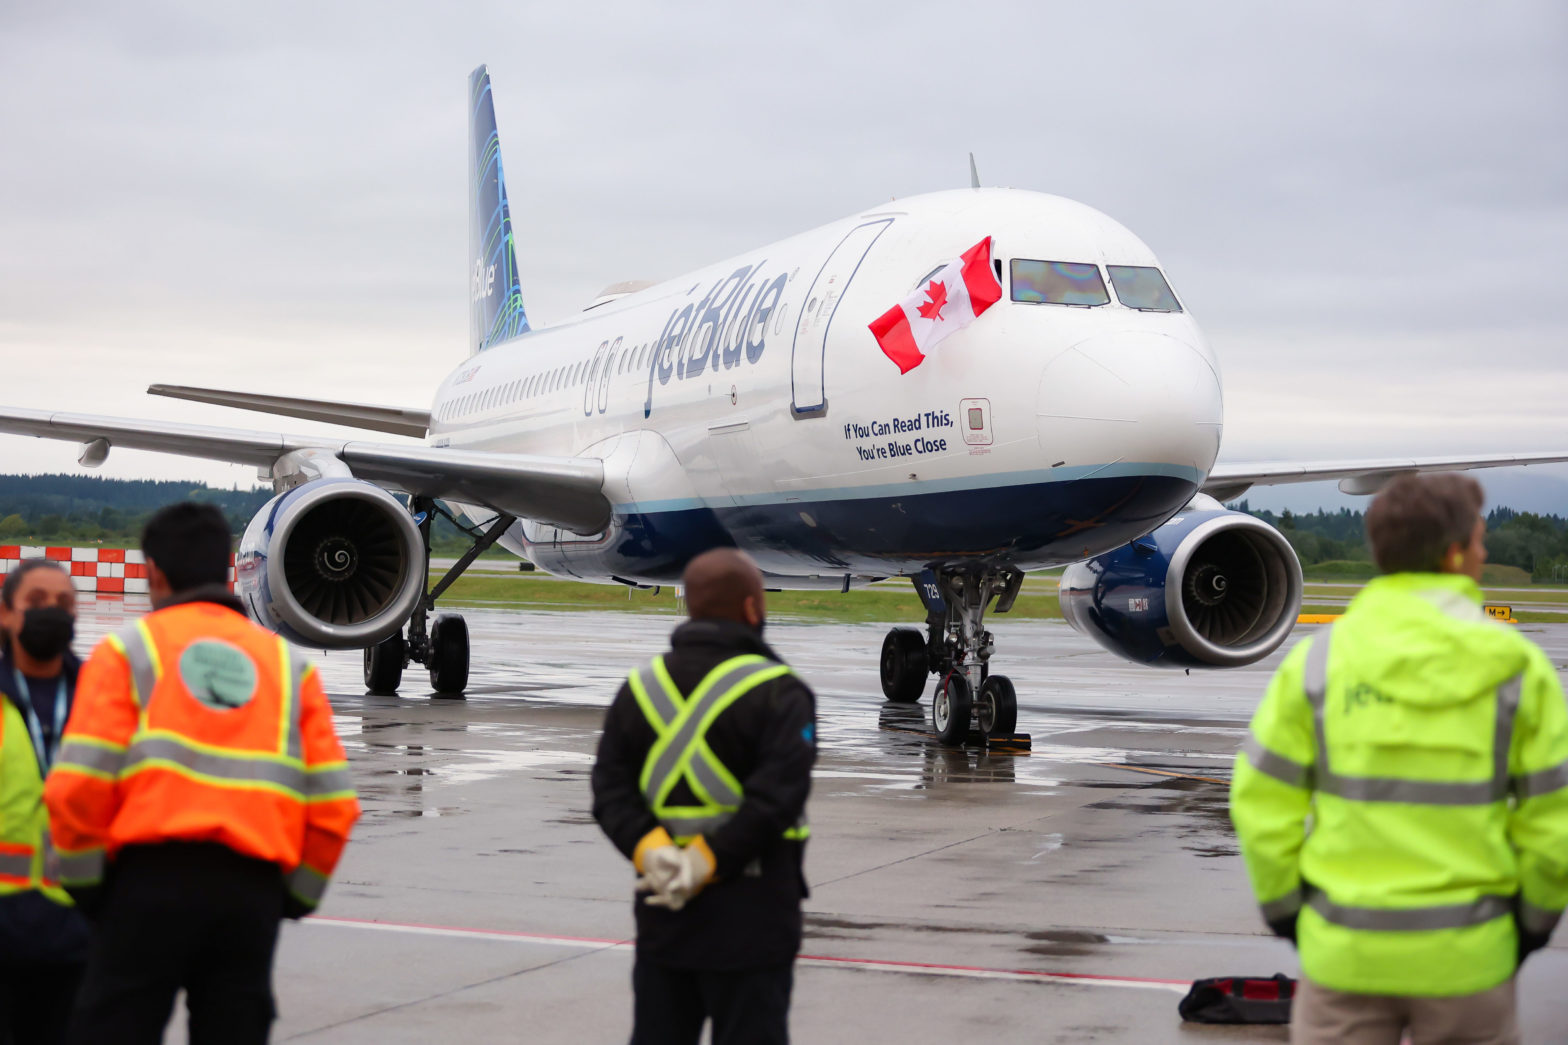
(46, 632)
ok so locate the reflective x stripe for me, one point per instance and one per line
(136, 646)
(654, 691)
(1538, 921)
(1542, 781)
(307, 884)
(93, 758)
(165, 750)
(1395, 789)
(83, 868)
(1411, 919)
(1277, 766)
(722, 686)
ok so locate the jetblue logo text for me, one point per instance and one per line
(726, 327)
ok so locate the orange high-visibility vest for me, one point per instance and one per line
(194, 724)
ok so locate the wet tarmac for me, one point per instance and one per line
(1067, 895)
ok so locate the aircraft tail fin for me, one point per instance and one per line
(495, 297)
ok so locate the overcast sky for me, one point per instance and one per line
(1364, 204)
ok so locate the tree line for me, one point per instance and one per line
(89, 509)
(1537, 544)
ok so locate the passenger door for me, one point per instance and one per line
(808, 368)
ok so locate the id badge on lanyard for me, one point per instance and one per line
(45, 752)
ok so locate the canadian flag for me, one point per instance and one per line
(947, 302)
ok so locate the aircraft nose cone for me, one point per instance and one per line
(1131, 398)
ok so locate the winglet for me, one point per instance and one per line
(974, 175)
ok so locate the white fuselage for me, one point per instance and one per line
(748, 403)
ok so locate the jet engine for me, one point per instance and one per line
(334, 563)
(1210, 588)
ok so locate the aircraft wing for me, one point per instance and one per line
(564, 491)
(395, 419)
(1228, 481)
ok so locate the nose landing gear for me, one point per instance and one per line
(957, 649)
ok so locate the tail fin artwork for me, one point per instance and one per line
(495, 298)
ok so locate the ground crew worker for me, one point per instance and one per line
(201, 770)
(43, 939)
(701, 780)
(1427, 746)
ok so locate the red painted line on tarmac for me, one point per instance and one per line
(827, 960)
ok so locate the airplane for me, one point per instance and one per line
(1076, 422)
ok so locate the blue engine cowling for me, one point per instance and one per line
(333, 563)
(1210, 588)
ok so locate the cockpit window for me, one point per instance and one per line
(1142, 288)
(1058, 283)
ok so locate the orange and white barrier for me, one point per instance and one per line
(107, 571)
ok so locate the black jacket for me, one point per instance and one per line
(749, 917)
(33, 928)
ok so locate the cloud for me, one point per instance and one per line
(1363, 203)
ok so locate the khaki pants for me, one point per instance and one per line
(1323, 1016)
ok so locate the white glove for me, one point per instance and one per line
(659, 867)
(693, 871)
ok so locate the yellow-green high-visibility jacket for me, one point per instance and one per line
(1404, 793)
(25, 854)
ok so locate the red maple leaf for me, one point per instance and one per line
(932, 309)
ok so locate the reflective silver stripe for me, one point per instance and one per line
(1538, 921)
(717, 787)
(298, 668)
(81, 868)
(308, 885)
(1284, 907)
(1503, 735)
(1314, 674)
(1417, 792)
(1395, 789)
(696, 824)
(92, 757)
(16, 865)
(1542, 781)
(663, 701)
(1277, 766)
(1411, 919)
(223, 767)
(669, 760)
(138, 654)
(328, 781)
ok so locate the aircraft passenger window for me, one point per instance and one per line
(1058, 283)
(1142, 288)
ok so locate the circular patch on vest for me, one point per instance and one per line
(219, 675)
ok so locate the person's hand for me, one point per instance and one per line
(693, 871)
(659, 866)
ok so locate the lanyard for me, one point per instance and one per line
(45, 754)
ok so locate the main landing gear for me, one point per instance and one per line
(957, 649)
(442, 647)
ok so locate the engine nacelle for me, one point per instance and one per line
(333, 563)
(1210, 588)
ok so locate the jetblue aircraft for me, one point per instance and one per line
(747, 404)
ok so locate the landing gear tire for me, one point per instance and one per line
(384, 665)
(950, 709)
(996, 712)
(449, 655)
(904, 665)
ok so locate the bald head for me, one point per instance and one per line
(724, 584)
